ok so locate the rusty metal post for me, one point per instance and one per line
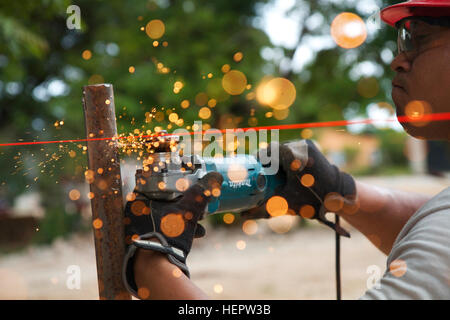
(105, 182)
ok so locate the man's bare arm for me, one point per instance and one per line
(382, 213)
(158, 279)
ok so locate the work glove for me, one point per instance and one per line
(173, 223)
(313, 186)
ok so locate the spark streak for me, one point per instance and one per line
(336, 123)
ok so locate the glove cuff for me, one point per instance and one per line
(174, 255)
(347, 186)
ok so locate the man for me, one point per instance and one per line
(412, 229)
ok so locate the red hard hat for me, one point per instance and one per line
(425, 8)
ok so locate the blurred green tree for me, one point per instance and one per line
(44, 66)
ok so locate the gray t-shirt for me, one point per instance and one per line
(422, 248)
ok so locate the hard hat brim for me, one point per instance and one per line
(392, 14)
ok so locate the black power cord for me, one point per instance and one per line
(338, 261)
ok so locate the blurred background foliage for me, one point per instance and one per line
(43, 66)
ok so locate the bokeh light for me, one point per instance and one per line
(218, 288)
(176, 272)
(155, 29)
(97, 223)
(277, 93)
(178, 85)
(398, 268)
(212, 103)
(201, 99)
(204, 113)
(333, 202)
(368, 87)
(86, 55)
(159, 116)
(74, 194)
(237, 172)
(416, 110)
(225, 68)
(307, 211)
(281, 114)
(234, 82)
(241, 244)
(173, 117)
(72, 154)
(95, 78)
(348, 30)
(252, 121)
(307, 180)
(215, 192)
(143, 293)
(139, 208)
(250, 227)
(306, 134)
(228, 218)
(277, 206)
(281, 224)
(182, 184)
(161, 185)
(131, 196)
(188, 215)
(172, 225)
(295, 165)
(185, 104)
(238, 56)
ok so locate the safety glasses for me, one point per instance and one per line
(416, 34)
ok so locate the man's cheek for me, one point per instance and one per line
(430, 76)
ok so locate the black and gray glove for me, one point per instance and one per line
(313, 186)
(173, 224)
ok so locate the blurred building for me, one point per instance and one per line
(438, 158)
(348, 151)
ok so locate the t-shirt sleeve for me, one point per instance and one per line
(420, 262)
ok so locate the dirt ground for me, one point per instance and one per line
(227, 264)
